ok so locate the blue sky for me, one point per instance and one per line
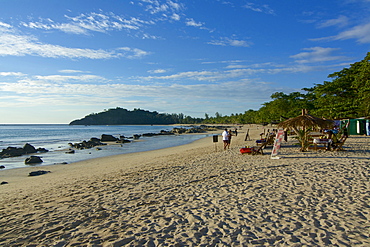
(62, 60)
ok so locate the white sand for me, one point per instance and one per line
(194, 196)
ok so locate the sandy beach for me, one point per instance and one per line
(194, 195)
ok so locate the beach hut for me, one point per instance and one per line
(358, 126)
(303, 125)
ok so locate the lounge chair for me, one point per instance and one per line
(259, 150)
(339, 145)
(269, 140)
(254, 150)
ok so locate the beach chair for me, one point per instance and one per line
(254, 150)
(259, 150)
(339, 145)
(271, 139)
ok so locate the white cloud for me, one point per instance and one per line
(5, 25)
(72, 71)
(360, 32)
(63, 78)
(20, 45)
(260, 8)
(231, 42)
(192, 23)
(341, 21)
(175, 17)
(316, 54)
(133, 52)
(85, 23)
(158, 6)
(11, 74)
(157, 71)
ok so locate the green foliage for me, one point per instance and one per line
(119, 116)
(347, 95)
(303, 138)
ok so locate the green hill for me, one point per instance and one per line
(120, 116)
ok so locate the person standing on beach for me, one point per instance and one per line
(229, 139)
(225, 138)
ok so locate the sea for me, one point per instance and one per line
(55, 138)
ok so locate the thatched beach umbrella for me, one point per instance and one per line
(303, 124)
(306, 121)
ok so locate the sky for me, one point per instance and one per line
(63, 60)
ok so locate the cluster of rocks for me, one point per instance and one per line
(16, 151)
(178, 131)
(93, 142)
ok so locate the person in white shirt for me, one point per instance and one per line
(225, 138)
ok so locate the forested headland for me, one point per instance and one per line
(120, 116)
(345, 95)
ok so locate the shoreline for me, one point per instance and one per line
(90, 150)
(17, 177)
(193, 195)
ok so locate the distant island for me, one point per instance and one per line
(120, 116)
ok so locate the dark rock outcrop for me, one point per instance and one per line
(38, 173)
(11, 152)
(108, 138)
(93, 142)
(33, 160)
(29, 149)
(15, 151)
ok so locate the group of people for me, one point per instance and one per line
(226, 138)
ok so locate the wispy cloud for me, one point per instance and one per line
(192, 23)
(224, 41)
(316, 55)
(341, 21)
(90, 22)
(158, 6)
(264, 8)
(361, 33)
(14, 44)
(64, 78)
(70, 71)
(237, 72)
(11, 74)
(157, 71)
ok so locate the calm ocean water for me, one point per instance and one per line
(55, 138)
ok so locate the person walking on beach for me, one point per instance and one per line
(229, 139)
(225, 138)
